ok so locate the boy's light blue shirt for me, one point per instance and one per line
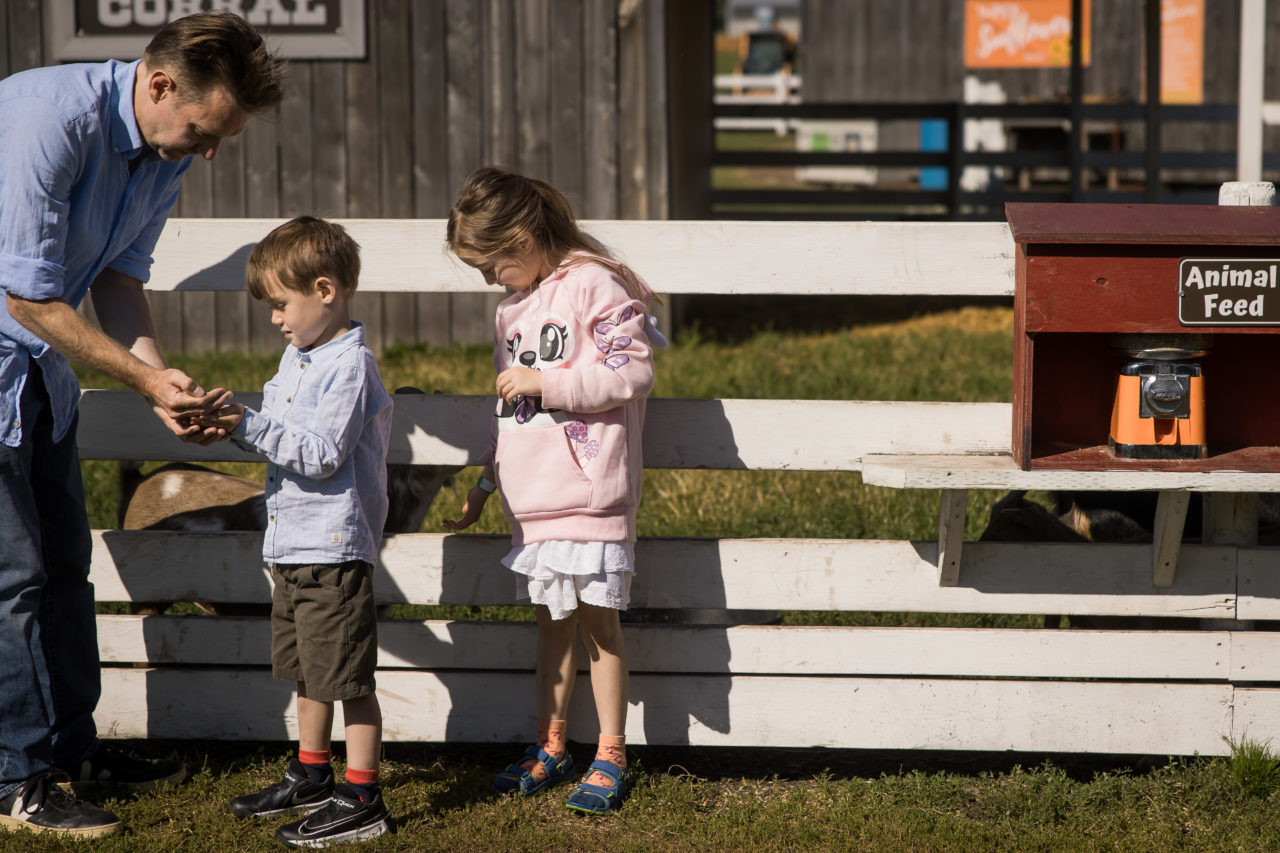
(324, 427)
(69, 208)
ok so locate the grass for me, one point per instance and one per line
(692, 800)
(1254, 767)
(719, 799)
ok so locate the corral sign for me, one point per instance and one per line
(92, 30)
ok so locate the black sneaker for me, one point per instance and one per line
(39, 805)
(343, 819)
(294, 794)
(120, 769)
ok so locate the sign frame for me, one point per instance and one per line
(64, 43)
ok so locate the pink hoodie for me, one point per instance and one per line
(569, 463)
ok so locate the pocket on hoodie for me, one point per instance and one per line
(600, 448)
(538, 472)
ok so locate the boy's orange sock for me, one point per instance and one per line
(612, 748)
(363, 782)
(316, 763)
(551, 739)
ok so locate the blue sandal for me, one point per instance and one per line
(597, 799)
(515, 779)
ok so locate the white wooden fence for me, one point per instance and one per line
(1158, 692)
(781, 87)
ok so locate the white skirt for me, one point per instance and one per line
(559, 573)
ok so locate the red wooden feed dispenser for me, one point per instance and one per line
(1146, 337)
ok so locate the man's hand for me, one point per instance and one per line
(176, 397)
(225, 418)
(205, 428)
(188, 430)
(519, 382)
(179, 394)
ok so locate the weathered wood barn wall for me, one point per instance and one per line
(573, 91)
(913, 50)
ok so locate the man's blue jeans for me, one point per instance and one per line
(49, 671)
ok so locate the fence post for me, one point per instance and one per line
(955, 158)
(1152, 158)
(1231, 518)
(1253, 29)
(1076, 138)
(690, 95)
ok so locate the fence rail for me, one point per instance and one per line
(781, 87)
(1198, 172)
(1140, 691)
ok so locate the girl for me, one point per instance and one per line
(574, 366)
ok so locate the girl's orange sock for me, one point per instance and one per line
(551, 739)
(612, 748)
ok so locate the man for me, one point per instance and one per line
(93, 156)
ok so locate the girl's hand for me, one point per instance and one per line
(519, 382)
(470, 510)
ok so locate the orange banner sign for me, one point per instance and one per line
(1021, 33)
(1182, 51)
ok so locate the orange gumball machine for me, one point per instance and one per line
(1158, 410)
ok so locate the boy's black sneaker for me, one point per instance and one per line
(294, 794)
(343, 819)
(120, 769)
(40, 805)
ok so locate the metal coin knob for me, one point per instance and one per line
(1165, 395)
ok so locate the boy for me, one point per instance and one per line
(324, 428)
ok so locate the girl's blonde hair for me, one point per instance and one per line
(496, 209)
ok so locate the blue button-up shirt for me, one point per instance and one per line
(324, 428)
(69, 208)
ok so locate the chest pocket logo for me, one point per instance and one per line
(553, 344)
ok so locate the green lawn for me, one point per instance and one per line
(704, 800)
(769, 800)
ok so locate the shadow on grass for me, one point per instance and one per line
(792, 764)
(466, 769)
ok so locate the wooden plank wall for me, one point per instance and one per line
(912, 50)
(547, 87)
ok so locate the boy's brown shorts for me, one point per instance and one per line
(324, 628)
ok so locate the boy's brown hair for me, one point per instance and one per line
(210, 49)
(299, 252)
